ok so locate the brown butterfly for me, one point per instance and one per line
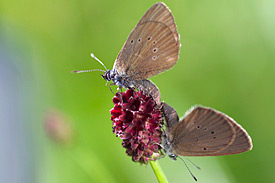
(151, 48)
(203, 132)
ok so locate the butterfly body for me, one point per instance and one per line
(167, 146)
(120, 80)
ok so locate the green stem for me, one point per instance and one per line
(158, 172)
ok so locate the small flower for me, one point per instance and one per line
(137, 121)
(58, 127)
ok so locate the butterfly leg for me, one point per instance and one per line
(111, 88)
(119, 88)
(162, 151)
(119, 93)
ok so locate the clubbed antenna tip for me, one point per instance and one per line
(94, 57)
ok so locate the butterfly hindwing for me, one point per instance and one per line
(206, 132)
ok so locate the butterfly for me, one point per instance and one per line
(151, 48)
(203, 131)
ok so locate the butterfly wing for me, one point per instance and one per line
(207, 132)
(149, 88)
(152, 47)
(170, 115)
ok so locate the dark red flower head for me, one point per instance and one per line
(137, 121)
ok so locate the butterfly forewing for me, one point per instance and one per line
(159, 12)
(152, 47)
(207, 132)
(241, 143)
(157, 56)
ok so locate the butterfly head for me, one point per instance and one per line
(172, 156)
(107, 75)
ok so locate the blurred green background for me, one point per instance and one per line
(226, 62)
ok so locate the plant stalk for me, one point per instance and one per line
(158, 172)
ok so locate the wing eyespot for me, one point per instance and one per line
(155, 50)
(214, 137)
(199, 126)
(205, 148)
(154, 42)
(149, 38)
(132, 41)
(212, 132)
(205, 129)
(139, 40)
(154, 58)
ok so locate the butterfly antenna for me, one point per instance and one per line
(188, 169)
(196, 166)
(94, 57)
(88, 71)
